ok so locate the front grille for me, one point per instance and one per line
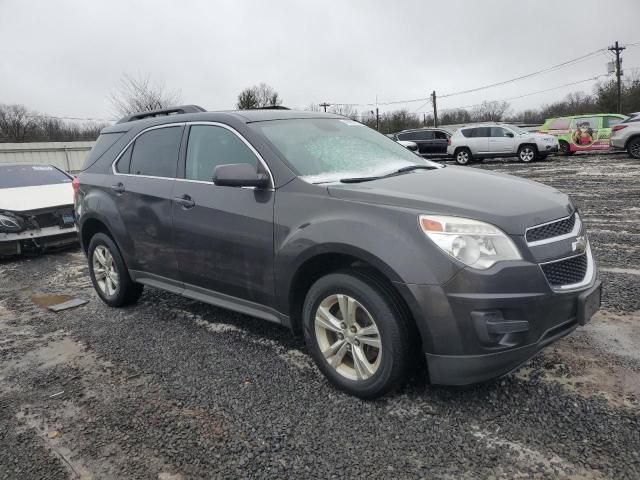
(47, 218)
(550, 230)
(566, 272)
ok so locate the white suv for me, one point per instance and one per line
(627, 135)
(470, 144)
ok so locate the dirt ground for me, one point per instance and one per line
(173, 389)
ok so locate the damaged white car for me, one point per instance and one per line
(36, 208)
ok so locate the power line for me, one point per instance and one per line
(564, 64)
(529, 75)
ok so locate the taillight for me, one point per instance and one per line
(449, 141)
(617, 128)
(76, 185)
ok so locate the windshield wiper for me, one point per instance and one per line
(395, 172)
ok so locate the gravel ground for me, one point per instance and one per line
(173, 389)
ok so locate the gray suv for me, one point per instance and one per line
(626, 135)
(470, 144)
(318, 223)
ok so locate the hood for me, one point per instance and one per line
(509, 202)
(22, 199)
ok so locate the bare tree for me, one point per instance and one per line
(16, 123)
(345, 111)
(139, 94)
(258, 96)
(489, 111)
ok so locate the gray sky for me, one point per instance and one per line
(65, 57)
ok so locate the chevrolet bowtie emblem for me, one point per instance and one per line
(580, 245)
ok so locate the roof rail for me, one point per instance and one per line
(162, 112)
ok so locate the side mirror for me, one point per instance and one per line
(239, 175)
(413, 146)
(509, 134)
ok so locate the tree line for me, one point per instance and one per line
(19, 124)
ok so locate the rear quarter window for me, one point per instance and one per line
(468, 132)
(104, 142)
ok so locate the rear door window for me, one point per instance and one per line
(155, 153)
(210, 146)
(482, 132)
(585, 123)
(426, 135)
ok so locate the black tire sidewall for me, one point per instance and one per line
(120, 297)
(387, 319)
(631, 143)
(564, 151)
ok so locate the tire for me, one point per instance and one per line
(376, 316)
(564, 148)
(114, 286)
(463, 156)
(527, 153)
(633, 148)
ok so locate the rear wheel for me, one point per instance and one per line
(527, 153)
(356, 334)
(109, 274)
(633, 147)
(463, 156)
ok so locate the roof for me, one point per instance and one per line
(246, 116)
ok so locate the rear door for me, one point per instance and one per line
(223, 235)
(501, 141)
(143, 191)
(479, 141)
(585, 132)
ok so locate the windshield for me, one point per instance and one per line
(518, 130)
(322, 150)
(12, 176)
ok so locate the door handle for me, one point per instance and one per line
(118, 187)
(185, 201)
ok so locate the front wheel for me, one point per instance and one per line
(109, 274)
(633, 148)
(527, 153)
(356, 334)
(463, 156)
(564, 148)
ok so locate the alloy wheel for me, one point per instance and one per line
(348, 337)
(527, 154)
(463, 157)
(104, 270)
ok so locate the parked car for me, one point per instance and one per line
(582, 133)
(626, 135)
(432, 142)
(36, 208)
(325, 226)
(476, 143)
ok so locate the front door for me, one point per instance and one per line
(143, 192)
(501, 141)
(223, 236)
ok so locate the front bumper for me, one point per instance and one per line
(37, 239)
(484, 324)
(548, 147)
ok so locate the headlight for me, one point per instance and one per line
(10, 223)
(476, 244)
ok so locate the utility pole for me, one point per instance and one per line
(435, 109)
(617, 49)
(377, 120)
(325, 105)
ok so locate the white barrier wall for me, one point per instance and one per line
(68, 156)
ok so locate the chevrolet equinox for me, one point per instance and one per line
(318, 223)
